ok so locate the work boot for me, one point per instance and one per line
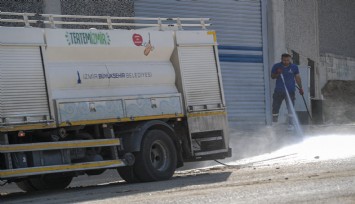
(275, 118)
(291, 128)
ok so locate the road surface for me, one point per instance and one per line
(318, 169)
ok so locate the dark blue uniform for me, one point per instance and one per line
(279, 95)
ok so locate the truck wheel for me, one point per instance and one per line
(25, 185)
(127, 173)
(45, 182)
(157, 159)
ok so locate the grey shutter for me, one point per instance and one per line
(239, 34)
(23, 95)
(200, 77)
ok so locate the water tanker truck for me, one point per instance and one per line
(140, 95)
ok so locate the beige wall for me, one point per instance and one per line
(336, 68)
(337, 27)
(301, 28)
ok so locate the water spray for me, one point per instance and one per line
(294, 116)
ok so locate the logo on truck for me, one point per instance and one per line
(122, 75)
(138, 41)
(79, 79)
(87, 38)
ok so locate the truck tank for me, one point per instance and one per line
(99, 63)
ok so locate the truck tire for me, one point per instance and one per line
(128, 174)
(45, 182)
(157, 159)
(25, 185)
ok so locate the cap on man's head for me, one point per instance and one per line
(285, 55)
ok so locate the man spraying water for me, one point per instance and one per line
(286, 75)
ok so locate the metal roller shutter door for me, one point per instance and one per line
(239, 33)
(22, 84)
(200, 76)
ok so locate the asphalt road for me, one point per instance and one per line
(317, 169)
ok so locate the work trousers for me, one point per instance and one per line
(278, 97)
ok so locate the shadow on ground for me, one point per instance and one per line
(116, 189)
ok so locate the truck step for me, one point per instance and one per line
(10, 173)
(59, 145)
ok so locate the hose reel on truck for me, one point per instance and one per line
(76, 101)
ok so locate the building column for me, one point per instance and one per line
(276, 25)
(276, 40)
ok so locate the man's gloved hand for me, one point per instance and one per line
(301, 91)
(279, 71)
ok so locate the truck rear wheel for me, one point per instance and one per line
(45, 182)
(157, 159)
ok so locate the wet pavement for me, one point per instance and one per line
(269, 165)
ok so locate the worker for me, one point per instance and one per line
(291, 76)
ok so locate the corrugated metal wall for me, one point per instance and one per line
(239, 34)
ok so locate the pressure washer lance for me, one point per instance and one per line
(296, 122)
(305, 104)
